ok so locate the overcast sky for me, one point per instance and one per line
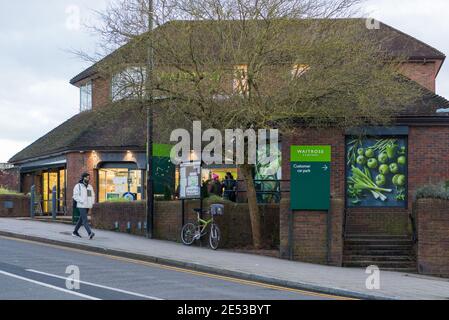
(35, 64)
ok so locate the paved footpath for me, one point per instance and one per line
(331, 280)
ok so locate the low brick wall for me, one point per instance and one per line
(14, 206)
(393, 221)
(310, 234)
(235, 225)
(432, 219)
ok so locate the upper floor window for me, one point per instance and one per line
(299, 69)
(128, 84)
(86, 97)
(241, 78)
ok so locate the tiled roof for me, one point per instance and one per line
(392, 40)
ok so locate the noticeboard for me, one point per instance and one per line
(190, 180)
(310, 177)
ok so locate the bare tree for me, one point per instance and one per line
(257, 64)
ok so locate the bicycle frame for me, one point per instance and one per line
(203, 224)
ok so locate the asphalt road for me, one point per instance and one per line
(33, 271)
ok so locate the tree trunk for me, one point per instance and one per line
(252, 205)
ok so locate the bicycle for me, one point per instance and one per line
(195, 231)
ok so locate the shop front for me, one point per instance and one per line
(120, 180)
(45, 176)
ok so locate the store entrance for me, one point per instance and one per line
(54, 178)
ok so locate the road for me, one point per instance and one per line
(34, 271)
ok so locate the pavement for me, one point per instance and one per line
(297, 275)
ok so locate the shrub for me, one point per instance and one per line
(433, 191)
(9, 192)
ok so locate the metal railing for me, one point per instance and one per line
(36, 203)
(277, 192)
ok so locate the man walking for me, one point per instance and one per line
(84, 199)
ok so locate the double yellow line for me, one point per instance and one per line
(187, 271)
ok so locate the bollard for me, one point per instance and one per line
(32, 214)
(53, 203)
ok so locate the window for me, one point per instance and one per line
(128, 84)
(86, 97)
(299, 69)
(115, 183)
(241, 79)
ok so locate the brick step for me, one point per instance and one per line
(392, 258)
(362, 242)
(390, 246)
(381, 264)
(378, 252)
(403, 270)
(376, 236)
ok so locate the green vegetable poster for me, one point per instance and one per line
(376, 172)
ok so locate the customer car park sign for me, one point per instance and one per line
(310, 177)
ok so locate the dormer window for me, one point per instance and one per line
(299, 70)
(128, 84)
(241, 78)
(86, 97)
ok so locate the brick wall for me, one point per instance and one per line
(77, 164)
(234, 225)
(433, 236)
(423, 73)
(101, 92)
(20, 206)
(428, 163)
(310, 234)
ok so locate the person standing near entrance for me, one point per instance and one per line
(84, 197)
(230, 188)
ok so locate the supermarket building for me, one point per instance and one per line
(108, 140)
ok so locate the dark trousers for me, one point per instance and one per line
(83, 221)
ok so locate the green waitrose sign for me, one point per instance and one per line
(310, 177)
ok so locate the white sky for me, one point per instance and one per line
(35, 64)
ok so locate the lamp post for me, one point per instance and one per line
(149, 102)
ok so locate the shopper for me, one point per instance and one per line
(230, 187)
(84, 199)
(215, 187)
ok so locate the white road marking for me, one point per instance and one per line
(48, 286)
(97, 285)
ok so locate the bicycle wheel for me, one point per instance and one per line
(214, 237)
(188, 234)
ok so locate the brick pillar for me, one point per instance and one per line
(310, 234)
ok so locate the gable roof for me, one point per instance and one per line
(395, 42)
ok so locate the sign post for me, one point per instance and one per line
(310, 177)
